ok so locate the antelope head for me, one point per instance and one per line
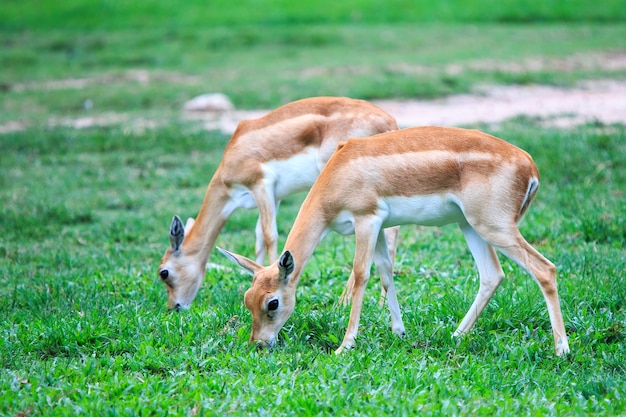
(271, 299)
(179, 271)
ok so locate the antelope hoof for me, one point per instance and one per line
(344, 346)
(457, 334)
(399, 331)
(562, 347)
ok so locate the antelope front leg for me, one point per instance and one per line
(384, 264)
(391, 238)
(346, 294)
(366, 234)
(266, 229)
(260, 251)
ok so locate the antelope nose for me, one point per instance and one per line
(261, 345)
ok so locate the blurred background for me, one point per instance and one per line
(74, 57)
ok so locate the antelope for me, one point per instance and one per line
(265, 161)
(428, 176)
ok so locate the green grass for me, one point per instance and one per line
(116, 14)
(85, 214)
(84, 328)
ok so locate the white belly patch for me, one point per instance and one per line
(430, 210)
(293, 175)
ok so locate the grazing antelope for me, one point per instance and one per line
(265, 161)
(428, 176)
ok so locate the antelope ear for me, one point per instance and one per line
(247, 264)
(286, 265)
(189, 225)
(177, 234)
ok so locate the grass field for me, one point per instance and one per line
(85, 329)
(85, 213)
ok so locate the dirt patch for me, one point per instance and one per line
(602, 101)
(142, 77)
(590, 101)
(603, 61)
(12, 126)
(89, 121)
(607, 61)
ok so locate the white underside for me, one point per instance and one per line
(430, 210)
(298, 173)
(240, 197)
(282, 179)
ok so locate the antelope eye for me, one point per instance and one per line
(272, 305)
(164, 273)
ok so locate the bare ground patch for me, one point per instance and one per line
(143, 77)
(603, 101)
(605, 61)
(591, 101)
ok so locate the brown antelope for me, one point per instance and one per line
(266, 160)
(428, 176)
